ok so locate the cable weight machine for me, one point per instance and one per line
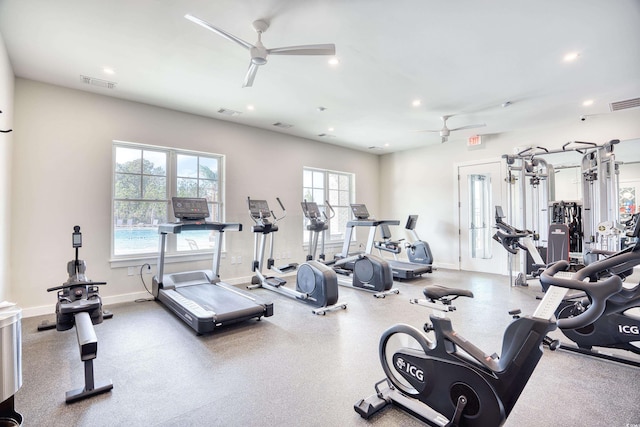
(566, 229)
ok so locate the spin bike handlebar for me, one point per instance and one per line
(598, 292)
(509, 236)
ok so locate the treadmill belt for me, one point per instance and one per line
(226, 304)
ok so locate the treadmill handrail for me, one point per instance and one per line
(177, 227)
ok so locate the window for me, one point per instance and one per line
(144, 180)
(337, 187)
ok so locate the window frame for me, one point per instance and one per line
(217, 207)
(333, 237)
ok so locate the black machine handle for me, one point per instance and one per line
(598, 293)
(284, 212)
(72, 284)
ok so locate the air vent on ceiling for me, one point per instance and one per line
(373, 147)
(282, 125)
(326, 135)
(228, 112)
(623, 105)
(97, 82)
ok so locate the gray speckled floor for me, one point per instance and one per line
(297, 369)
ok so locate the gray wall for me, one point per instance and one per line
(6, 144)
(62, 167)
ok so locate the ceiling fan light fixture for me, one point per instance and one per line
(571, 56)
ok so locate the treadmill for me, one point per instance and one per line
(198, 297)
(401, 269)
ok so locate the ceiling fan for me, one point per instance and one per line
(445, 131)
(258, 52)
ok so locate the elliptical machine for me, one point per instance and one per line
(316, 284)
(450, 381)
(360, 271)
(79, 304)
(418, 251)
(617, 327)
(317, 226)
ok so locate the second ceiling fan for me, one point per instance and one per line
(258, 52)
(445, 131)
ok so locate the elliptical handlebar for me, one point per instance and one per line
(598, 293)
(332, 212)
(284, 211)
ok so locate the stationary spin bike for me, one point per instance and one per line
(79, 305)
(450, 381)
(617, 327)
(316, 284)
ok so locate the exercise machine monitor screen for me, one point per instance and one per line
(360, 211)
(411, 222)
(76, 237)
(311, 209)
(259, 208)
(190, 209)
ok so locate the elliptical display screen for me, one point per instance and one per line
(259, 208)
(310, 209)
(190, 209)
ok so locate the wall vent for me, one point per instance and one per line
(623, 105)
(97, 82)
(282, 125)
(228, 112)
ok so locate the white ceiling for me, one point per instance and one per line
(464, 57)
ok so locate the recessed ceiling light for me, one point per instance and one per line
(334, 61)
(588, 102)
(250, 107)
(108, 70)
(572, 56)
(330, 129)
(416, 103)
(386, 145)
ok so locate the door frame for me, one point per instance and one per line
(457, 201)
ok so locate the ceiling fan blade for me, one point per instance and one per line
(470, 127)
(251, 75)
(311, 49)
(428, 130)
(219, 31)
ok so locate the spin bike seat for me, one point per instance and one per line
(437, 292)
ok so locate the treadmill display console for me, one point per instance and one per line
(360, 211)
(190, 209)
